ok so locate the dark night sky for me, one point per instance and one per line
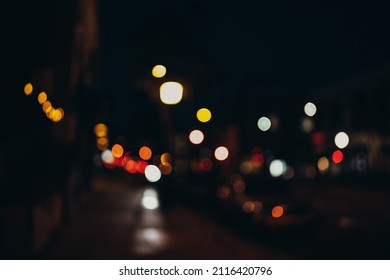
(306, 44)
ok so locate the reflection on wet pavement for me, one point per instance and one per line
(121, 221)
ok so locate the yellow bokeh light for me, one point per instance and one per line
(101, 130)
(46, 107)
(323, 164)
(203, 115)
(166, 158)
(159, 71)
(277, 211)
(171, 93)
(221, 153)
(117, 150)
(28, 89)
(61, 111)
(55, 115)
(145, 153)
(42, 97)
(102, 143)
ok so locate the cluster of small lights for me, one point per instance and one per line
(54, 114)
(101, 133)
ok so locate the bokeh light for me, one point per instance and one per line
(341, 140)
(42, 97)
(152, 173)
(258, 206)
(171, 93)
(165, 168)
(289, 173)
(117, 150)
(277, 211)
(145, 153)
(46, 107)
(102, 143)
(310, 172)
(323, 164)
(150, 199)
(203, 115)
(131, 166)
(141, 166)
(248, 207)
(239, 186)
(307, 125)
(221, 153)
(107, 157)
(196, 137)
(159, 71)
(166, 158)
(337, 156)
(55, 115)
(28, 89)
(277, 168)
(223, 191)
(264, 123)
(101, 130)
(310, 109)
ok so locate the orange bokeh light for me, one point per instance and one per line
(277, 211)
(145, 153)
(117, 150)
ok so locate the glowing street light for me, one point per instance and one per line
(171, 93)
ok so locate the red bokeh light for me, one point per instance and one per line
(337, 156)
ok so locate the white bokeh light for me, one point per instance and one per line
(310, 109)
(221, 153)
(196, 137)
(171, 93)
(107, 157)
(341, 140)
(152, 173)
(264, 123)
(277, 168)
